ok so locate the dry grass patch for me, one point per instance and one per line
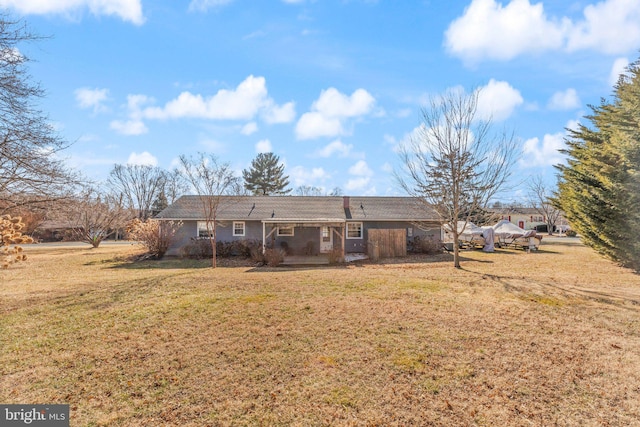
(511, 339)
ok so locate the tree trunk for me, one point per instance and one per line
(213, 250)
(456, 250)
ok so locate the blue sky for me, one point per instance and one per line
(330, 86)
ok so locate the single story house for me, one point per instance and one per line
(302, 224)
(525, 218)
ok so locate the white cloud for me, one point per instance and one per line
(490, 30)
(129, 127)
(610, 26)
(204, 5)
(248, 100)
(359, 183)
(497, 100)
(244, 102)
(362, 176)
(329, 112)
(241, 103)
(134, 125)
(573, 124)
(144, 158)
(335, 147)
(314, 125)
(360, 169)
(212, 145)
(332, 103)
(543, 153)
(264, 146)
(619, 67)
(249, 129)
(386, 167)
(136, 102)
(302, 176)
(11, 55)
(128, 10)
(279, 114)
(567, 100)
(92, 98)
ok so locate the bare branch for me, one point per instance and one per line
(455, 164)
(211, 180)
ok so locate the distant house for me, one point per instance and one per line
(303, 225)
(525, 218)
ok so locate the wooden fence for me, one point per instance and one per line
(386, 243)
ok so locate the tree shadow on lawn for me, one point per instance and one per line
(155, 264)
(173, 263)
(529, 287)
(414, 259)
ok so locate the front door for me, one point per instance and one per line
(326, 239)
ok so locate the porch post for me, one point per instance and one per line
(264, 248)
(344, 233)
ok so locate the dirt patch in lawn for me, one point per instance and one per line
(512, 338)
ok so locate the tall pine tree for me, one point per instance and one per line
(599, 188)
(266, 176)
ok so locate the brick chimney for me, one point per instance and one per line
(346, 202)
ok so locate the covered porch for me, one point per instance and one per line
(305, 241)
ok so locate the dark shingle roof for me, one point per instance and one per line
(302, 208)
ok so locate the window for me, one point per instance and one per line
(354, 230)
(203, 230)
(326, 234)
(285, 230)
(238, 228)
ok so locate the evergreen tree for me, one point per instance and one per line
(266, 176)
(599, 188)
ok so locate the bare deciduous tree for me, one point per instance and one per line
(308, 190)
(30, 171)
(94, 216)
(175, 185)
(455, 164)
(154, 235)
(211, 180)
(139, 185)
(540, 200)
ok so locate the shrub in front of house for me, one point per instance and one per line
(335, 256)
(154, 235)
(570, 233)
(201, 249)
(425, 245)
(197, 249)
(274, 257)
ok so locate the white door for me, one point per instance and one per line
(326, 239)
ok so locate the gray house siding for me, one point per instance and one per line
(182, 237)
(305, 239)
(262, 214)
(252, 231)
(353, 245)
